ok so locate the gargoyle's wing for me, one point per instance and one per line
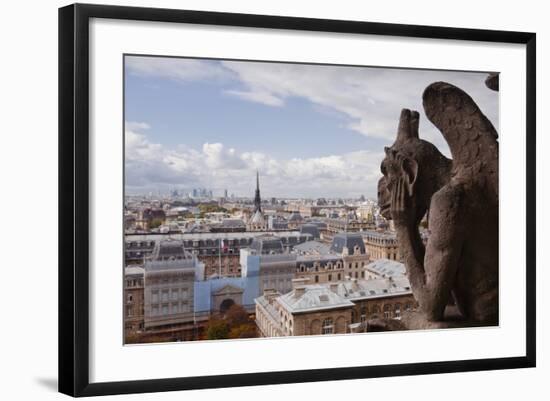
(470, 135)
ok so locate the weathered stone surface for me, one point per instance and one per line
(492, 81)
(459, 265)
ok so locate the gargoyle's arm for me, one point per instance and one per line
(432, 271)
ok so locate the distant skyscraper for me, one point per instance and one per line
(225, 193)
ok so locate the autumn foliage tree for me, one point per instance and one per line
(234, 323)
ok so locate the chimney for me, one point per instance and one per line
(270, 294)
(299, 282)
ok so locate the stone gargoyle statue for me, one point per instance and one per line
(454, 277)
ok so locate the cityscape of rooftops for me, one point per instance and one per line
(250, 196)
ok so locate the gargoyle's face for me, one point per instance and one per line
(395, 167)
(384, 198)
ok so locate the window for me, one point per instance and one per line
(164, 295)
(363, 315)
(155, 296)
(175, 308)
(397, 310)
(327, 326)
(164, 309)
(155, 310)
(339, 276)
(174, 295)
(129, 297)
(387, 311)
(330, 277)
(316, 279)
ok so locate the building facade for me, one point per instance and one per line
(220, 252)
(332, 308)
(169, 279)
(133, 302)
(382, 245)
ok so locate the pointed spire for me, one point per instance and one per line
(257, 199)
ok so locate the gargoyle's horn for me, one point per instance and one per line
(415, 119)
(408, 125)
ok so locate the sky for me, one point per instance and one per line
(310, 130)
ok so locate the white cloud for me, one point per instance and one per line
(136, 126)
(150, 166)
(370, 98)
(258, 97)
(180, 69)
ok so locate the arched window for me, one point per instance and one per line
(328, 326)
(363, 314)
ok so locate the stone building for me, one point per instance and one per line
(384, 298)
(306, 310)
(218, 251)
(384, 268)
(133, 300)
(339, 225)
(381, 245)
(320, 268)
(169, 279)
(332, 308)
(321, 263)
(228, 226)
(273, 262)
(354, 254)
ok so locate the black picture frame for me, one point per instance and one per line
(74, 198)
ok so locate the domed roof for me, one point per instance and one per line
(295, 216)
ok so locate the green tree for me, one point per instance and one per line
(155, 223)
(217, 330)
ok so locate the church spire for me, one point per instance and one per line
(257, 199)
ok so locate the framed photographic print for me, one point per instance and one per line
(298, 199)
